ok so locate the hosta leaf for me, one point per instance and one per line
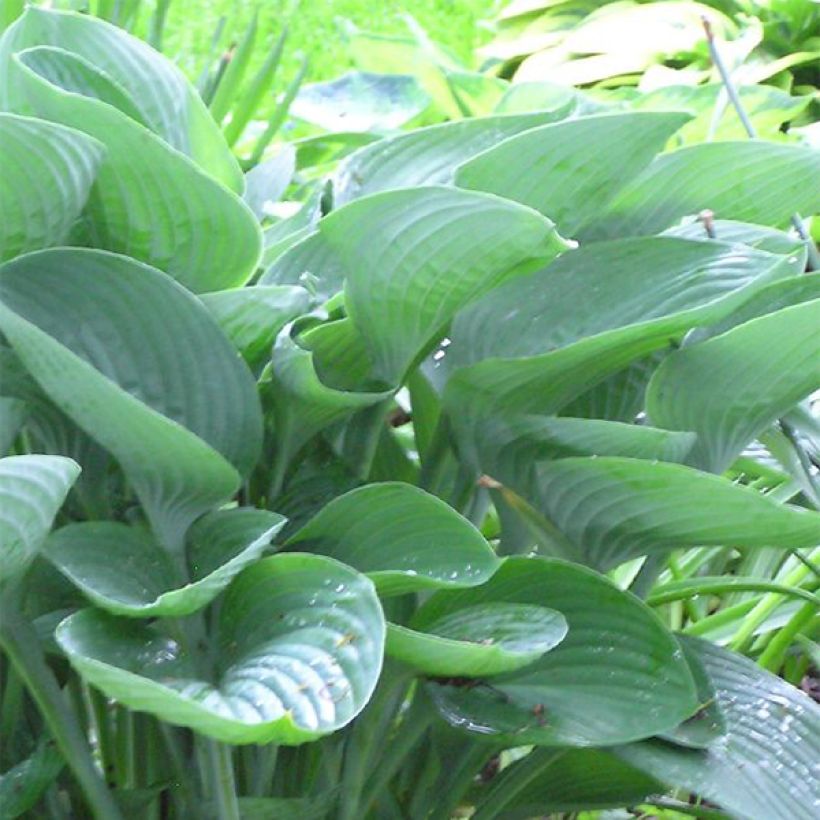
(100, 332)
(266, 182)
(300, 639)
(728, 230)
(252, 317)
(124, 571)
(765, 767)
(22, 786)
(613, 509)
(12, 415)
(426, 156)
(412, 258)
(751, 181)
(203, 234)
(166, 101)
(570, 780)
(730, 388)
(48, 171)
(32, 490)
(590, 314)
(617, 673)
(479, 641)
(404, 538)
(569, 170)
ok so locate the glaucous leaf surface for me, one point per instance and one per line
(404, 538)
(202, 234)
(618, 672)
(48, 171)
(32, 490)
(300, 642)
(730, 388)
(165, 100)
(766, 764)
(125, 571)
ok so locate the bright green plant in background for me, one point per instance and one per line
(413, 501)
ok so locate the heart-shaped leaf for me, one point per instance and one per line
(300, 648)
(404, 539)
(32, 490)
(48, 171)
(729, 389)
(618, 673)
(124, 571)
(764, 767)
(477, 641)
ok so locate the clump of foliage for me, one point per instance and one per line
(374, 517)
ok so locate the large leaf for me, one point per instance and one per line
(478, 641)
(412, 258)
(300, 648)
(124, 571)
(165, 100)
(404, 538)
(751, 181)
(48, 171)
(613, 509)
(765, 767)
(32, 490)
(569, 170)
(617, 673)
(100, 333)
(730, 388)
(427, 156)
(149, 201)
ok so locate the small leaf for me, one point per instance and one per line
(12, 415)
(300, 649)
(22, 786)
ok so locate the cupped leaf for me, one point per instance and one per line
(730, 388)
(765, 765)
(404, 539)
(301, 640)
(123, 570)
(48, 171)
(750, 181)
(478, 641)
(427, 156)
(32, 490)
(203, 234)
(166, 101)
(618, 672)
(569, 170)
(413, 258)
(613, 509)
(99, 333)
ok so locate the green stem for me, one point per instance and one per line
(220, 769)
(19, 641)
(775, 652)
(266, 757)
(460, 778)
(434, 466)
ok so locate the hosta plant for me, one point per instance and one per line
(383, 527)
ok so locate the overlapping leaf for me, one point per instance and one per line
(300, 650)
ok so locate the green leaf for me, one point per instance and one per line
(300, 648)
(316, 807)
(124, 571)
(266, 182)
(751, 181)
(570, 170)
(99, 333)
(167, 102)
(764, 766)
(204, 235)
(22, 786)
(477, 641)
(426, 156)
(613, 509)
(731, 388)
(404, 539)
(617, 673)
(252, 317)
(48, 171)
(728, 230)
(12, 415)
(32, 490)
(413, 258)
